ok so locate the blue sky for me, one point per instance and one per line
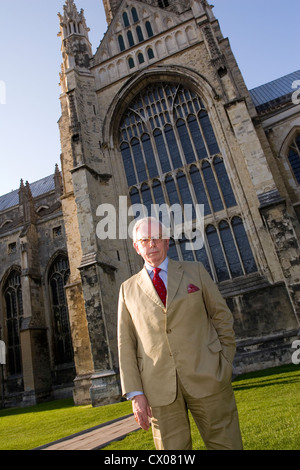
(263, 35)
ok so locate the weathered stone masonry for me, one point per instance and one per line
(159, 112)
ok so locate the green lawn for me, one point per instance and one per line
(268, 403)
(269, 409)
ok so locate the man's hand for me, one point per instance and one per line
(142, 411)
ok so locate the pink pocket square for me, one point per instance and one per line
(192, 288)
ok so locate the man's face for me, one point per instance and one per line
(155, 250)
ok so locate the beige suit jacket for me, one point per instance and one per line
(192, 337)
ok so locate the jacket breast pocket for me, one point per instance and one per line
(195, 300)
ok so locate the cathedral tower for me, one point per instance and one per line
(160, 114)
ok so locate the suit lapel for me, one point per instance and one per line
(147, 286)
(175, 273)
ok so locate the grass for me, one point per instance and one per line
(268, 403)
(27, 428)
(269, 408)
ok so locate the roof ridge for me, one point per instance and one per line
(11, 199)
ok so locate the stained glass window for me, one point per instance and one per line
(171, 156)
(58, 276)
(14, 315)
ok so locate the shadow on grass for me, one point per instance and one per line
(271, 376)
(46, 406)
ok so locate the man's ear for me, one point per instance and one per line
(137, 248)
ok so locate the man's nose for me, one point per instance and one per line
(152, 242)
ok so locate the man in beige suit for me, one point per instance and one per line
(177, 356)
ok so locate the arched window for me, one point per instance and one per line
(150, 53)
(141, 58)
(149, 29)
(58, 276)
(217, 253)
(131, 63)
(130, 38)
(158, 192)
(243, 245)
(134, 15)
(139, 33)
(125, 19)
(294, 157)
(171, 156)
(146, 197)
(14, 315)
(230, 249)
(121, 43)
(135, 197)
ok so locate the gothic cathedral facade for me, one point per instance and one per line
(160, 114)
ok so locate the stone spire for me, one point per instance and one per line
(26, 202)
(74, 33)
(73, 22)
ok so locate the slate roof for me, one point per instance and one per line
(275, 91)
(37, 188)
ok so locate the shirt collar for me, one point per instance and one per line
(163, 266)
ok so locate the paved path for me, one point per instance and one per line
(97, 437)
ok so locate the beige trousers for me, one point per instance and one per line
(216, 417)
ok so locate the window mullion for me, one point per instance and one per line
(218, 184)
(223, 251)
(210, 257)
(237, 249)
(202, 133)
(191, 138)
(212, 211)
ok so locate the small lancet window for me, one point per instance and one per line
(149, 29)
(150, 54)
(139, 33)
(125, 19)
(141, 58)
(121, 43)
(130, 38)
(131, 63)
(134, 15)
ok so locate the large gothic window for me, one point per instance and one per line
(58, 276)
(171, 155)
(14, 315)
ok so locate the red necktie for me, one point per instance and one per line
(159, 285)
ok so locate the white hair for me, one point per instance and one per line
(139, 222)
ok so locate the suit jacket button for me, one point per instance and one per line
(169, 331)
